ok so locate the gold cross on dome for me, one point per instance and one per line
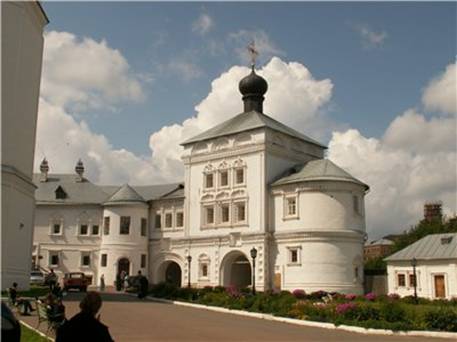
(253, 52)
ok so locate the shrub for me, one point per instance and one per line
(233, 291)
(350, 296)
(313, 311)
(345, 308)
(317, 295)
(219, 289)
(393, 296)
(441, 319)
(164, 290)
(392, 312)
(370, 296)
(299, 294)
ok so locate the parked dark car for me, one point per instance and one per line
(11, 329)
(75, 280)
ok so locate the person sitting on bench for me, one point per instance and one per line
(21, 303)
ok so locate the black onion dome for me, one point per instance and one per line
(253, 84)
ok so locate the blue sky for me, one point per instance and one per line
(124, 83)
(372, 83)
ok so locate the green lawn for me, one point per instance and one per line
(35, 291)
(28, 335)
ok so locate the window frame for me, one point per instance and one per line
(205, 213)
(104, 260)
(290, 251)
(92, 230)
(236, 212)
(143, 260)
(52, 254)
(227, 178)
(179, 223)
(168, 214)
(235, 176)
(222, 206)
(205, 180)
(402, 274)
(286, 206)
(80, 229)
(85, 254)
(106, 225)
(158, 219)
(144, 226)
(122, 225)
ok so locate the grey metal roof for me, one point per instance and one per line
(246, 122)
(317, 170)
(77, 192)
(125, 194)
(87, 192)
(430, 247)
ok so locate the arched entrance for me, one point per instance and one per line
(236, 270)
(173, 274)
(123, 265)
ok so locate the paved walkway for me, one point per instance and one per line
(130, 319)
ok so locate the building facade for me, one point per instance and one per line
(435, 259)
(377, 249)
(250, 183)
(22, 50)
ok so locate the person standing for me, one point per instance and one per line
(143, 285)
(102, 283)
(52, 280)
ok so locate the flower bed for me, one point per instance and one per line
(369, 311)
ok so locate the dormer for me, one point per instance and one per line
(60, 193)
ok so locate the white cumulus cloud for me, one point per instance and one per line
(441, 92)
(83, 73)
(294, 97)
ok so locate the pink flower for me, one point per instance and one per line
(350, 296)
(370, 296)
(345, 307)
(299, 294)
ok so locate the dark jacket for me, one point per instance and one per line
(83, 327)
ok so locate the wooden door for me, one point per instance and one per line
(440, 290)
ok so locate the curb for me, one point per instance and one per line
(350, 328)
(37, 331)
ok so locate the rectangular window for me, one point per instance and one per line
(209, 181)
(143, 260)
(83, 229)
(355, 203)
(240, 212)
(293, 256)
(53, 259)
(95, 229)
(168, 220)
(239, 176)
(125, 225)
(158, 221)
(56, 228)
(225, 213)
(144, 226)
(85, 261)
(412, 280)
(106, 225)
(209, 215)
(204, 270)
(104, 260)
(179, 219)
(291, 206)
(401, 280)
(224, 178)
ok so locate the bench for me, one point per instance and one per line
(53, 321)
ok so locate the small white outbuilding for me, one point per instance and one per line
(435, 257)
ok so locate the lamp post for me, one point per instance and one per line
(189, 259)
(414, 264)
(253, 256)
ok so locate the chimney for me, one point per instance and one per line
(79, 168)
(433, 211)
(44, 169)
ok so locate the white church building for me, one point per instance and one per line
(249, 183)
